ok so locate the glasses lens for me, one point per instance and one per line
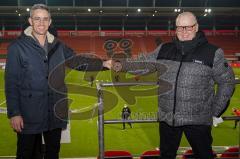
(38, 19)
(187, 28)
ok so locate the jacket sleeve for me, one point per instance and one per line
(13, 74)
(82, 62)
(143, 64)
(225, 83)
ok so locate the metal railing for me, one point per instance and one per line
(101, 120)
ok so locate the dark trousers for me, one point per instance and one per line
(235, 124)
(29, 146)
(198, 136)
(126, 117)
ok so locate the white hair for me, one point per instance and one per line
(189, 14)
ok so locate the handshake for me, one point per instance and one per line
(114, 65)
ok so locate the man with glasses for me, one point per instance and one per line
(194, 66)
(35, 89)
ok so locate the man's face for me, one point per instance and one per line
(186, 28)
(40, 21)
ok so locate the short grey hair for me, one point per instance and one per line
(40, 6)
(189, 14)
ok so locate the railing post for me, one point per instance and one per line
(100, 121)
(238, 138)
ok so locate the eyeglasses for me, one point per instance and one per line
(39, 19)
(186, 28)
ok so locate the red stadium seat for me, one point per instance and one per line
(189, 154)
(232, 152)
(117, 154)
(151, 154)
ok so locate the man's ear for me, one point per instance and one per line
(50, 22)
(197, 27)
(30, 21)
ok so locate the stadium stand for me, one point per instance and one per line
(94, 43)
(117, 154)
(144, 44)
(229, 44)
(188, 154)
(151, 154)
(232, 152)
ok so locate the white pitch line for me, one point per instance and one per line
(2, 102)
(3, 110)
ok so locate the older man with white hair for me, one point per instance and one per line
(194, 67)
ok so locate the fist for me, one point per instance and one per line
(117, 66)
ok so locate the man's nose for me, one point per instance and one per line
(184, 30)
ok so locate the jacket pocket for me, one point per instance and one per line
(33, 106)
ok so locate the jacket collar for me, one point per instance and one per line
(28, 32)
(186, 47)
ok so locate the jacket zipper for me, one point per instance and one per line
(175, 91)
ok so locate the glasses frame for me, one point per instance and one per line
(186, 28)
(39, 19)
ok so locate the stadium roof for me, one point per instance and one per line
(123, 14)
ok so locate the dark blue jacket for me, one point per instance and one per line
(34, 81)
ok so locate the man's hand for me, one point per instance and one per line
(108, 64)
(112, 64)
(17, 123)
(217, 121)
(117, 66)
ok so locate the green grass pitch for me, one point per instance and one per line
(84, 134)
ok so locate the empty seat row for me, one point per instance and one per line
(232, 152)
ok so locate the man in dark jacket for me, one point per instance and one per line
(35, 88)
(193, 68)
